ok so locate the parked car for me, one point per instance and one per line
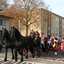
(1, 46)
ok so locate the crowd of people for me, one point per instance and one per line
(47, 43)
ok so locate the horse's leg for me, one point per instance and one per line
(20, 51)
(16, 54)
(12, 53)
(47, 48)
(38, 52)
(6, 49)
(33, 55)
(21, 58)
(32, 52)
(26, 53)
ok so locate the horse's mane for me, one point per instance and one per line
(18, 34)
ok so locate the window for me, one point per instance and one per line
(0, 33)
(57, 18)
(2, 22)
(53, 34)
(56, 34)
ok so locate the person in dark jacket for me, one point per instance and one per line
(37, 41)
(37, 33)
(36, 45)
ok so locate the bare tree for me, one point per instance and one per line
(28, 9)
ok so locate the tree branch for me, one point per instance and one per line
(23, 22)
(32, 23)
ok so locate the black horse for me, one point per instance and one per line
(9, 43)
(22, 42)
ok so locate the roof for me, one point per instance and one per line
(53, 13)
(6, 17)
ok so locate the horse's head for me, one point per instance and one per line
(36, 35)
(15, 33)
(32, 34)
(4, 33)
(12, 31)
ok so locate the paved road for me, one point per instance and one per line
(44, 59)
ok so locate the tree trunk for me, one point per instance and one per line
(26, 30)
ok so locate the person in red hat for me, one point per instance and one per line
(45, 38)
(45, 45)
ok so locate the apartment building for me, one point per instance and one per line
(4, 23)
(53, 24)
(49, 23)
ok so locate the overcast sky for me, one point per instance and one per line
(57, 6)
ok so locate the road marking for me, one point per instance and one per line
(28, 62)
(24, 62)
(52, 59)
(5, 62)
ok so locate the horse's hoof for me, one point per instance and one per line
(15, 60)
(5, 60)
(12, 57)
(26, 57)
(21, 61)
(33, 56)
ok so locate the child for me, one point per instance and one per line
(62, 46)
(55, 46)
